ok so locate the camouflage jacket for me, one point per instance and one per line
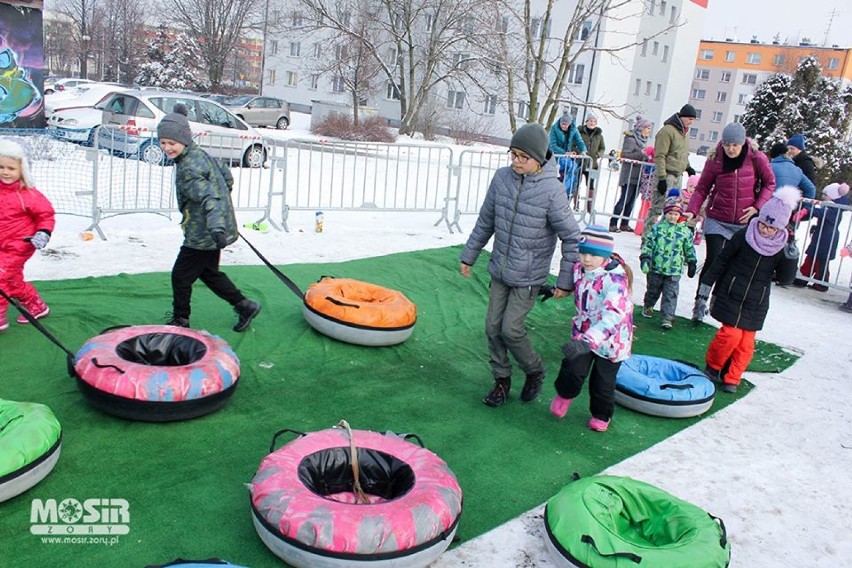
(204, 198)
(669, 247)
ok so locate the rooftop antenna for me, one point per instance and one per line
(828, 28)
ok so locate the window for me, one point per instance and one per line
(738, 118)
(658, 92)
(575, 73)
(753, 58)
(714, 136)
(644, 47)
(523, 110)
(295, 48)
(693, 133)
(270, 76)
(749, 79)
(292, 78)
(673, 18)
(315, 81)
(298, 20)
(698, 114)
(276, 15)
(491, 104)
(702, 74)
(656, 49)
(337, 84)
(392, 58)
(346, 18)
(392, 92)
(721, 96)
(665, 53)
(341, 53)
(535, 28)
(586, 30)
(726, 77)
(730, 56)
(778, 60)
(706, 54)
(647, 87)
(455, 99)
(638, 86)
(429, 21)
(717, 116)
(699, 94)
(460, 60)
(833, 63)
(743, 99)
(651, 5)
(663, 4)
(503, 25)
(273, 47)
(317, 50)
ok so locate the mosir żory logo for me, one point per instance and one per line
(73, 517)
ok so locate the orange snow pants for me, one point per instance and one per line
(734, 344)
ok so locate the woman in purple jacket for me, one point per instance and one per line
(736, 181)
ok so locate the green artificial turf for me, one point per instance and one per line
(185, 481)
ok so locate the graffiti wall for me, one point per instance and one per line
(21, 65)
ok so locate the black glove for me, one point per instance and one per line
(219, 238)
(575, 348)
(690, 171)
(691, 267)
(662, 187)
(645, 264)
(546, 292)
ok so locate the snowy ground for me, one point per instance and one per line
(775, 466)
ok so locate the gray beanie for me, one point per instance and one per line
(591, 116)
(734, 133)
(532, 139)
(566, 118)
(175, 126)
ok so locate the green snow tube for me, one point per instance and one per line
(30, 440)
(615, 522)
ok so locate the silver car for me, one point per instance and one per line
(129, 128)
(260, 111)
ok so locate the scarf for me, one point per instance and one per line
(766, 246)
(641, 140)
(731, 164)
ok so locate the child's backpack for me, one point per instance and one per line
(648, 181)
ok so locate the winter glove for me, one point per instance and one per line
(645, 264)
(546, 292)
(691, 267)
(219, 238)
(575, 348)
(662, 187)
(39, 240)
(690, 171)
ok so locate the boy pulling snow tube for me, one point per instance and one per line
(662, 387)
(358, 312)
(607, 521)
(156, 373)
(30, 442)
(310, 511)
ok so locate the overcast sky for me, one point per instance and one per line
(792, 19)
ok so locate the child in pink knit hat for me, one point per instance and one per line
(825, 237)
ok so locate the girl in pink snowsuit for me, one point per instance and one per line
(26, 223)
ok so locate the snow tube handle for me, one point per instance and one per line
(678, 387)
(723, 542)
(18, 417)
(416, 438)
(99, 366)
(278, 433)
(587, 539)
(339, 303)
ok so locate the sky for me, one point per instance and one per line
(774, 465)
(792, 19)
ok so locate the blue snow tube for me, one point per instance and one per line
(662, 387)
(208, 563)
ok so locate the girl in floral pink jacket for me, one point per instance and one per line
(602, 330)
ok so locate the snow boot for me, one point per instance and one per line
(498, 395)
(246, 311)
(532, 386)
(37, 308)
(559, 406)
(598, 425)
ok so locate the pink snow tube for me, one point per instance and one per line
(306, 511)
(156, 372)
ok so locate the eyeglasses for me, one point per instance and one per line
(519, 157)
(767, 228)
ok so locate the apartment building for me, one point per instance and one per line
(641, 63)
(727, 74)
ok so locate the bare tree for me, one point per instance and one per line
(122, 38)
(84, 15)
(217, 25)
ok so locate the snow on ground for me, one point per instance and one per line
(775, 466)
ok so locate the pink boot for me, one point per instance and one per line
(37, 308)
(598, 425)
(559, 406)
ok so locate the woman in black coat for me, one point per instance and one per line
(741, 279)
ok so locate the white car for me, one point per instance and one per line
(85, 95)
(77, 124)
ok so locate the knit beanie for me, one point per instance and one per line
(734, 133)
(532, 139)
(175, 126)
(835, 191)
(566, 118)
(591, 116)
(797, 141)
(641, 123)
(776, 212)
(597, 241)
(692, 180)
(777, 149)
(13, 150)
(688, 111)
(672, 204)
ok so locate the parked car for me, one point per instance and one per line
(68, 83)
(216, 97)
(129, 128)
(77, 125)
(260, 111)
(84, 95)
(49, 83)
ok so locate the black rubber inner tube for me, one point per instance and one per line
(329, 471)
(161, 349)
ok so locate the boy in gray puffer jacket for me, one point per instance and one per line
(209, 225)
(525, 210)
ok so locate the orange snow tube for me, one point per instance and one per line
(359, 312)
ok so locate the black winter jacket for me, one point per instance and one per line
(743, 280)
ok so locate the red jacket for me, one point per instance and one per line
(23, 211)
(731, 193)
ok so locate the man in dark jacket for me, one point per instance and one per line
(525, 210)
(796, 150)
(593, 139)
